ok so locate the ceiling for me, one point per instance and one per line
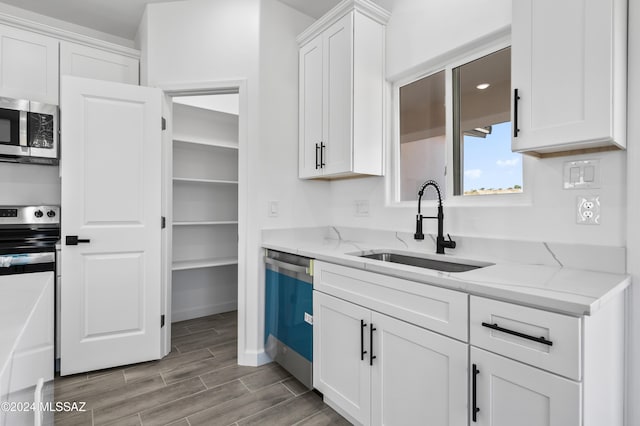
(121, 17)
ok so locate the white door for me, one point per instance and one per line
(511, 393)
(310, 109)
(418, 377)
(338, 96)
(341, 369)
(111, 197)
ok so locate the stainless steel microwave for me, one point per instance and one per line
(28, 132)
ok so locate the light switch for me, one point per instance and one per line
(273, 208)
(582, 174)
(589, 173)
(574, 175)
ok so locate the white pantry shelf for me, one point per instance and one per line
(194, 180)
(206, 142)
(206, 222)
(183, 265)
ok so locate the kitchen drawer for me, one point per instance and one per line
(441, 310)
(562, 354)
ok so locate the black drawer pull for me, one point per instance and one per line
(363, 325)
(317, 148)
(515, 333)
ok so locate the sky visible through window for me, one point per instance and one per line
(489, 165)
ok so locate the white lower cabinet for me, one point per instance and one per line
(340, 369)
(506, 393)
(389, 351)
(375, 369)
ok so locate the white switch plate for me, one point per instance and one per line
(583, 174)
(273, 209)
(588, 210)
(362, 207)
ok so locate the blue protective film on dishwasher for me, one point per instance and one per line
(287, 299)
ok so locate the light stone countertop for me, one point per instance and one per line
(19, 295)
(552, 286)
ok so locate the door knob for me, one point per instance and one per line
(73, 240)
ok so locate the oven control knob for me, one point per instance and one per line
(38, 213)
(51, 213)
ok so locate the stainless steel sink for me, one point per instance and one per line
(425, 262)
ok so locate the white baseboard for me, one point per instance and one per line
(202, 311)
(254, 358)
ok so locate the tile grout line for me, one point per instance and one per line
(268, 408)
(243, 384)
(290, 390)
(309, 416)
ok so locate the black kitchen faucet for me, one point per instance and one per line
(441, 243)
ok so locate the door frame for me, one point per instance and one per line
(215, 87)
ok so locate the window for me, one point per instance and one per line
(454, 126)
(422, 135)
(483, 161)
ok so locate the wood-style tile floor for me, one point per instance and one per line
(198, 383)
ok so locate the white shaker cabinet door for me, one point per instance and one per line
(310, 119)
(569, 77)
(418, 377)
(338, 95)
(111, 195)
(506, 393)
(341, 368)
(28, 66)
(89, 62)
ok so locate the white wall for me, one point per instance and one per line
(195, 40)
(633, 225)
(29, 184)
(423, 29)
(551, 213)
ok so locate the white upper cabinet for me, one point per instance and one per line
(342, 92)
(28, 65)
(569, 70)
(88, 62)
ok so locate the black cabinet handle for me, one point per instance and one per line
(73, 240)
(322, 147)
(474, 401)
(371, 355)
(317, 164)
(516, 98)
(516, 333)
(363, 325)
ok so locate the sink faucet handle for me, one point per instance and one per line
(450, 244)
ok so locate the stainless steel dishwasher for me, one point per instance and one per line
(289, 313)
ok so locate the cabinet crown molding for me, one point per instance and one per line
(366, 7)
(66, 35)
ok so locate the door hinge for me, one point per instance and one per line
(164, 123)
(163, 222)
(161, 320)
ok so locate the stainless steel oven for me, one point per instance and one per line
(28, 132)
(28, 236)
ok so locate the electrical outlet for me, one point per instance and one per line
(362, 207)
(588, 210)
